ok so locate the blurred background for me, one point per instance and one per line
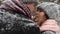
(56, 1)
